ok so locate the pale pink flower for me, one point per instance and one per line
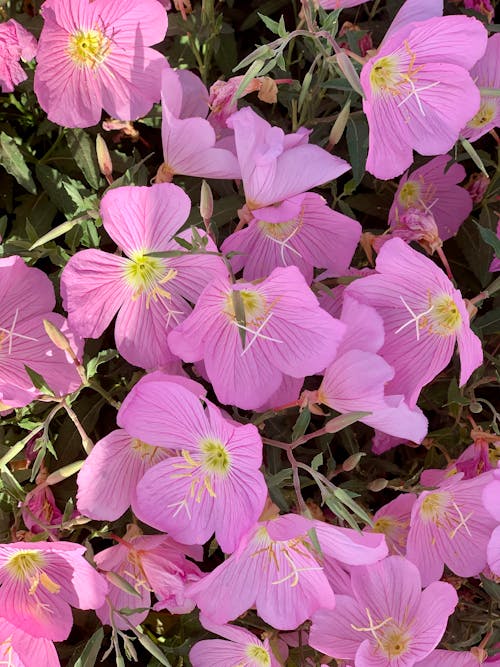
(422, 319)
(316, 237)
(239, 647)
(491, 501)
(150, 294)
(356, 379)
(441, 658)
(20, 649)
(26, 299)
(150, 564)
(281, 330)
(432, 189)
(189, 140)
(107, 481)
(393, 521)
(213, 482)
(388, 621)
(449, 526)
(38, 583)
(418, 84)
(94, 55)
(16, 43)
(473, 461)
(277, 568)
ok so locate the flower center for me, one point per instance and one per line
(385, 74)
(409, 195)
(89, 48)
(147, 274)
(484, 116)
(394, 642)
(25, 564)
(258, 654)
(444, 317)
(434, 506)
(216, 458)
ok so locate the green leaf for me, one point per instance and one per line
(271, 25)
(57, 185)
(91, 651)
(102, 358)
(317, 461)
(472, 153)
(301, 424)
(343, 421)
(490, 238)
(85, 155)
(39, 381)
(357, 145)
(347, 500)
(13, 162)
(121, 583)
(150, 646)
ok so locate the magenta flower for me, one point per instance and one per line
(284, 329)
(316, 237)
(272, 165)
(277, 569)
(357, 377)
(449, 526)
(419, 84)
(239, 647)
(393, 521)
(150, 294)
(495, 264)
(388, 621)
(40, 511)
(38, 583)
(473, 461)
(431, 189)
(491, 501)
(94, 55)
(26, 299)
(16, 44)
(189, 140)
(20, 649)
(423, 319)
(150, 564)
(441, 658)
(213, 484)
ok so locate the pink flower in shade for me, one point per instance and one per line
(26, 299)
(393, 521)
(284, 329)
(422, 319)
(39, 508)
(150, 564)
(239, 647)
(388, 621)
(381, 442)
(38, 583)
(482, 6)
(189, 140)
(419, 84)
(472, 462)
(433, 190)
(277, 569)
(150, 294)
(94, 55)
(16, 43)
(486, 74)
(357, 377)
(272, 166)
(108, 479)
(491, 501)
(495, 264)
(20, 649)
(213, 484)
(449, 526)
(316, 237)
(441, 658)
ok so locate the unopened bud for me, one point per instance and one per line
(348, 70)
(339, 126)
(351, 462)
(57, 337)
(477, 186)
(377, 485)
(206, 202)
(104, 159)
(63, 473)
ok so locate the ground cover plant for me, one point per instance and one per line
(249, 318)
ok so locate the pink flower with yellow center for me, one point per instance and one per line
(95, 54)
(40, 582)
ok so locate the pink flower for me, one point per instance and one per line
(149, 563)
(491, 501)
(316, 237)
(431, 189)
(418, 84)
(94, 55)
(239, 647)
(26, 299)
(482, 6)
(357, 377)
(381, 442)
(449, 526)
(150, 294)
(39, 508)
(38, 583)
(441, 658)
(272, 165)
(16, 43)
(213, 483)
(20, 649)
(189, 141)
(393, 521)
(108, 479)
(472, 462)
(495, 264)
(388, 620)
(251, 335)
(277, 569)
(486, 75)
(477, 186)
(423, 319)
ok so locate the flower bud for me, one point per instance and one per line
(104, 159)
(351, 462)
(206, 202)
(339, 126)
(377, 485)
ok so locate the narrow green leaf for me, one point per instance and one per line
(122, 583)
(490, 238)
(38, 381)
(301, 424)
(472, 153)
(13, 162)
(342, 421)
(91, 651)
(150, 646)
(239, 313)
(85, 155)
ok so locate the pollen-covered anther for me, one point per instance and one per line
(89, 48)
(146, 274)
